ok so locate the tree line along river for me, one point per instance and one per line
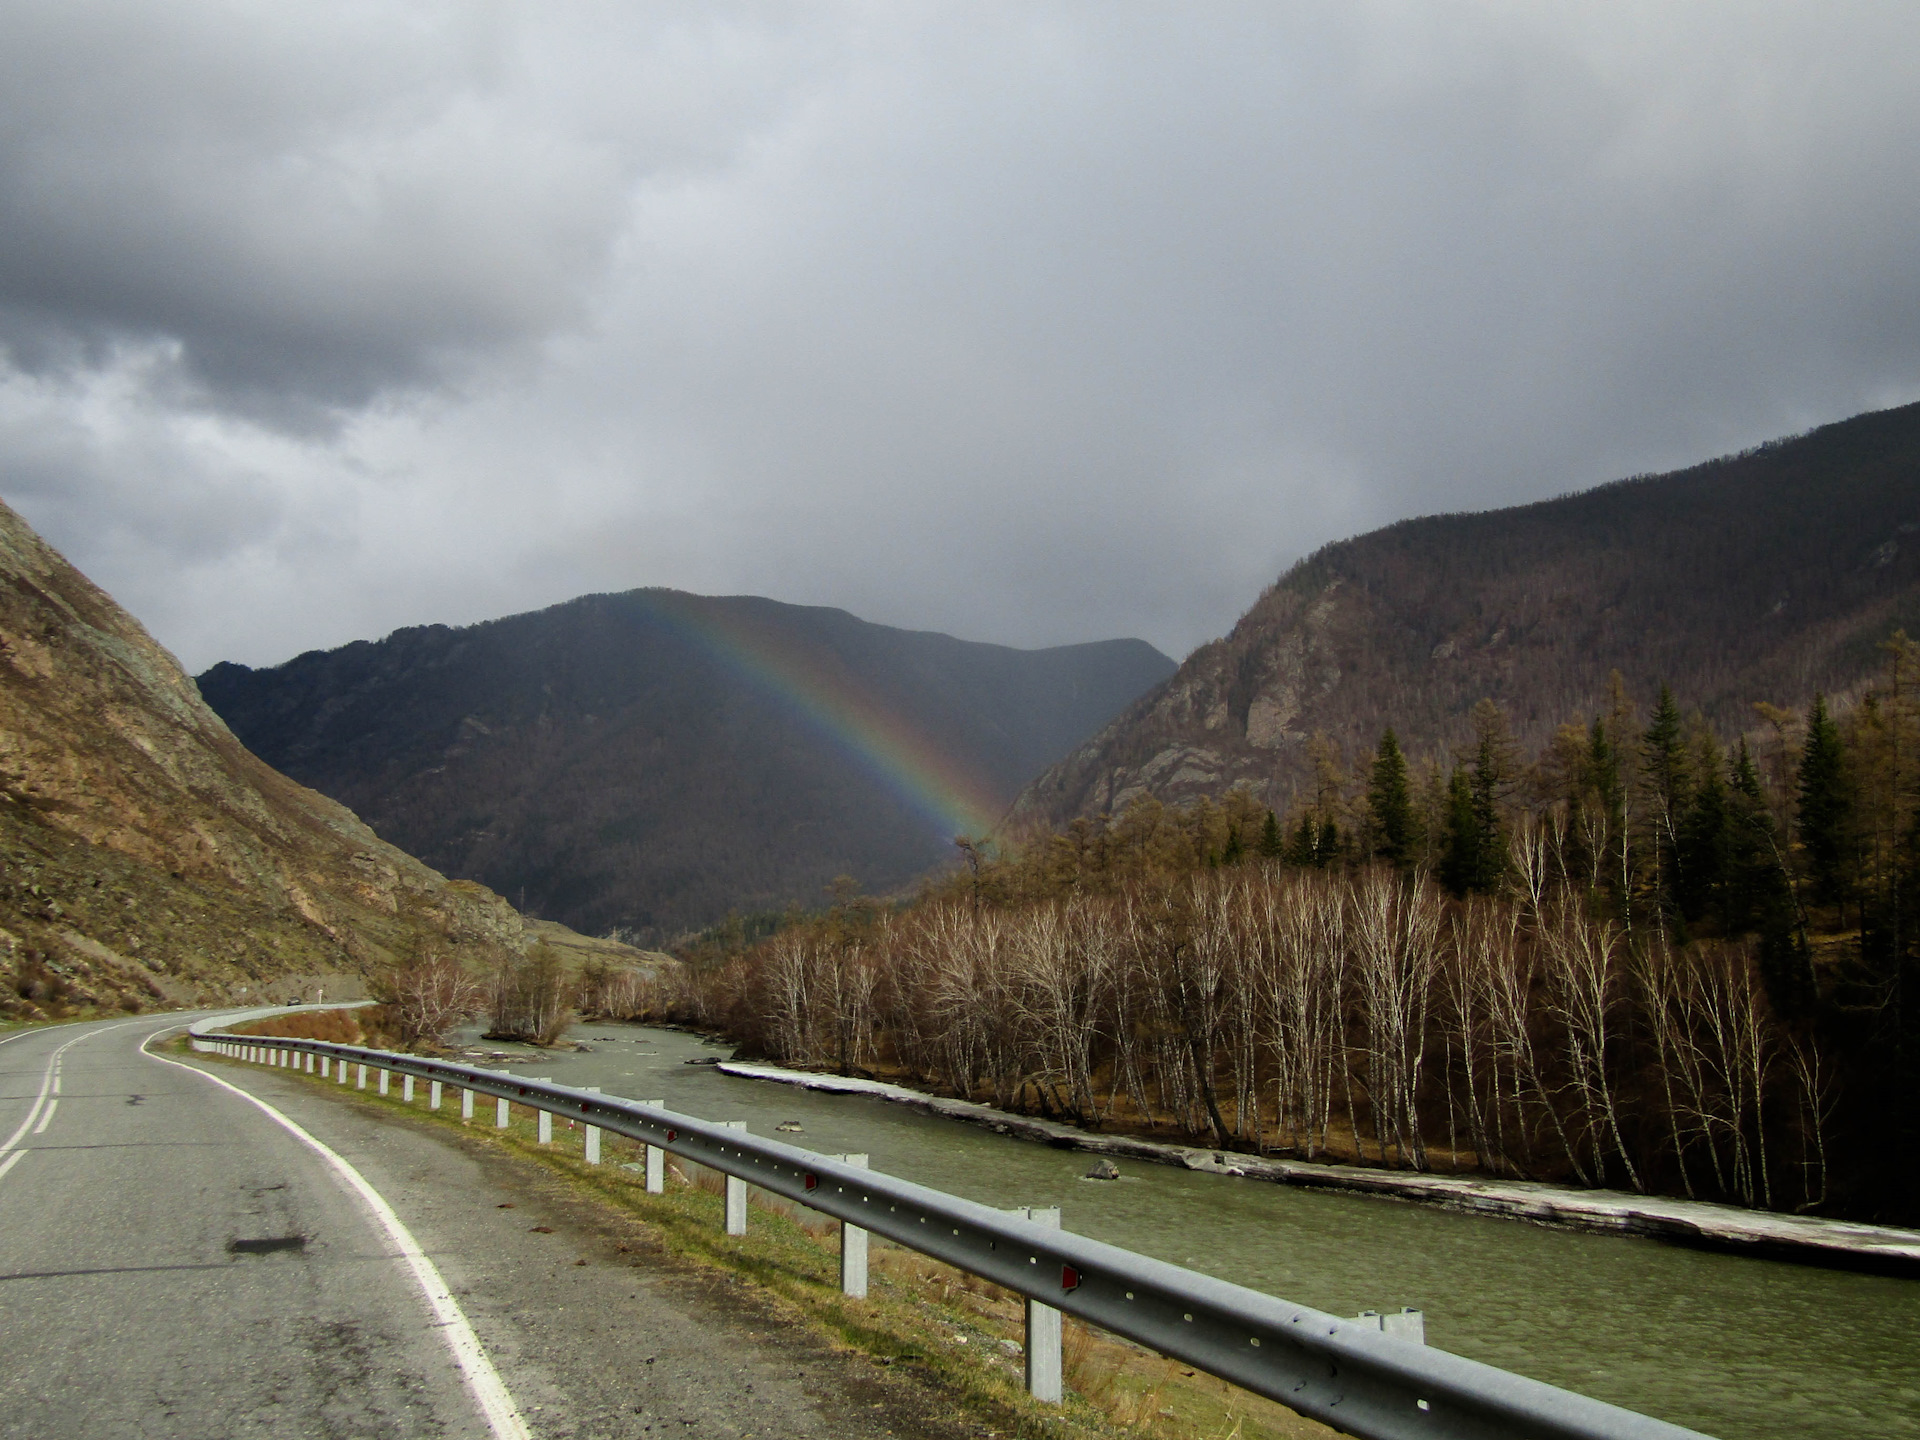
(1735, 1346)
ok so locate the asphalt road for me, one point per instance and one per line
(175, 1261)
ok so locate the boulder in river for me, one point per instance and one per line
(1103, 1170)
(792, 1127)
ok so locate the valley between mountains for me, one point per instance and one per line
(1584, 836)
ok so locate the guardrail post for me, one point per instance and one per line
(1043, 1327)
(466, 1107)
(326, 1067)
(736, 1193)
(386, 1077)
(309, 1062)
(362, 1084)
(433, 1095)
(502, 1117)
(593, 1134)
(656, 1160)
(406, 1088)
(543, 1118)
(853, 1245)
(340, 1072)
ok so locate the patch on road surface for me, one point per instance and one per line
(267, 1246)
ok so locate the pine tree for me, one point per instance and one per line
(1663, 779)
(1390, 804)
(1327, 845)
(1272, 847)
(1824, 805)
(1752, 868)
(1461, 861)
(1303, 849)
(1493, 765)
(1702, 849)
(1235, 851)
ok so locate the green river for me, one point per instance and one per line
(1733, 1346)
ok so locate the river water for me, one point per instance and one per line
(1734, 1346)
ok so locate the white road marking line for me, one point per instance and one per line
(46, 1083)
(8, 1163)
(46, 1116)
(483, 1382)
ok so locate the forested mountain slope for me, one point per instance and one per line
(650, 761)
(1759, 577)
(146, 856)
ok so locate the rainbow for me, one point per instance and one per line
(833, 702)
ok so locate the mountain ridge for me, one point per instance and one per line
(1759, 576)
(648, 760)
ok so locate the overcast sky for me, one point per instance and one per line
(1032, 323)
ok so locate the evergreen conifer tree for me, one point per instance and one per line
(1327, 845)
(1390, 803)
(1301, 850)
(1461, 862)
(1823, 805)
(1272, 846)
(1752, 873)
(1664, 778)
(1703, 852)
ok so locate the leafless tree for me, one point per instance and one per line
(429, 994)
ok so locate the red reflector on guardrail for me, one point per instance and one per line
(1069, 1278)
(813, 1182)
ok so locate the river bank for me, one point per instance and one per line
(1808, 1239)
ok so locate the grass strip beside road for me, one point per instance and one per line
(935, 1324)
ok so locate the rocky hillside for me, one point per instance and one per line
(651, 761)
(147, 857)
(1759, 577)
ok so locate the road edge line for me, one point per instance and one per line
(483, 1382)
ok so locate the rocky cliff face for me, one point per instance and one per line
(146, 855)
(1761, 577)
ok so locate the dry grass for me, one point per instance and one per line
(369, 1025)
(338, 1027)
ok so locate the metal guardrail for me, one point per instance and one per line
(1343, 1373)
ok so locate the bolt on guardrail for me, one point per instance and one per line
(1350, 1374)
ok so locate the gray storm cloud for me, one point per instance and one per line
(1032, 323)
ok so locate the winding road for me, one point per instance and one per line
(207, 1250)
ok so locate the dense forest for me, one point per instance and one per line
(1644, 956)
